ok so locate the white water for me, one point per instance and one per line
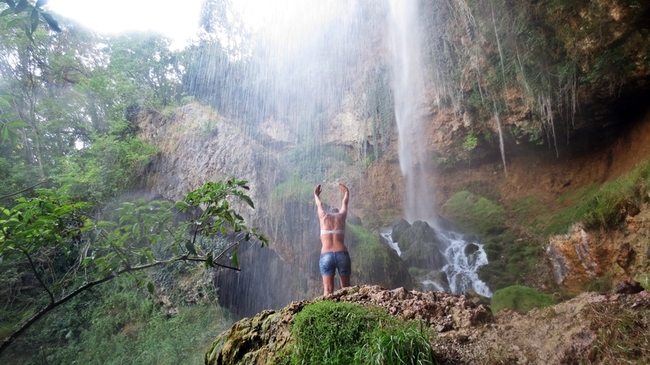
(462, 269)
(418, 202)
(408, 88)
(389, 239)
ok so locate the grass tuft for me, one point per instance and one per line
(346, 333)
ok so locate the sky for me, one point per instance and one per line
(176, 19)
(179, 19)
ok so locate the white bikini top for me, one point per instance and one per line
(332, 231)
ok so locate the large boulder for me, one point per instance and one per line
(421, 247)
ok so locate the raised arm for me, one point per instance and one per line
(346, 199)
(319, 203)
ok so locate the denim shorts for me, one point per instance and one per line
(330, 261)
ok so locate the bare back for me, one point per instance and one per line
(332, 224)
(335, 223)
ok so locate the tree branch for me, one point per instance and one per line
(54, 304)
(21, 191)
(38, 277)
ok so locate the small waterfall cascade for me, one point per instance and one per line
(464, 258)
(408, 88)
(387, 235)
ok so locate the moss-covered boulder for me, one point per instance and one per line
(520, 298)
(474, 213)
(375, 263)
(421, 247)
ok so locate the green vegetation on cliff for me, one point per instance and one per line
(474, 213)
(510, 259)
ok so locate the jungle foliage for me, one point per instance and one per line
(115, 324)
(51, 238)
(69, 100)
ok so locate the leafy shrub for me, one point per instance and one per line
(520, 299)
(347, 333)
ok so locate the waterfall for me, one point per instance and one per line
(461, 269)
(408, 87)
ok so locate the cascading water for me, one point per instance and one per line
(463, 265)
(461, 268)
(407, 87)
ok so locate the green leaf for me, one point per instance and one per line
(41, 3)
(189, 245)
(5, 134)
(33, 18)
(248, 200)
(106, 224)
(209, 261)
(28, 33)
(151, 288)
(182, 206)
(22, 5)
(235, 260)
(7, 12)
(54, 25)
(12, 23)
(17, 123)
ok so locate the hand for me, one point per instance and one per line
(344, 188)
(317, 190)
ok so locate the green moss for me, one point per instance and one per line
(294, 189)
(368, 246)
(408, 343)
(329, 332)
(474, 213)
(416, 271)
(510, 260)
(597, 205)
(520, 299)
(602, 285)
(374, 262)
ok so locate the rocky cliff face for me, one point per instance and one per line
(567, 80)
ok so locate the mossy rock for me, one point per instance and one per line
(399, 228)
(375, 263)
(474, 213)
(520, 298)
(421, 248)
